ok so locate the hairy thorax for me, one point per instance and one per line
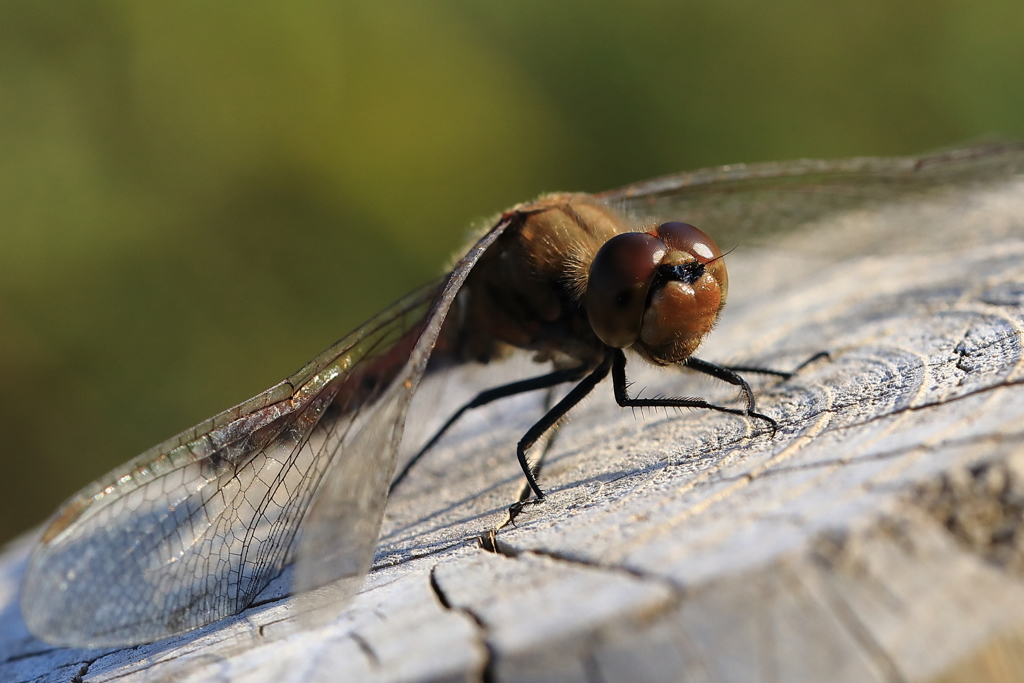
(527, 290)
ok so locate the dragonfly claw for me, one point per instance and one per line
(771, 421)
(516, 508)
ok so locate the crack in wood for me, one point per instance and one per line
(508, 551)
(924, 406)
(406, 559)
(975, 439)
(367, 650)
(592, 670)
(481, 628)
(79, 677)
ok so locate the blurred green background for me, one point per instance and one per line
(197, 197)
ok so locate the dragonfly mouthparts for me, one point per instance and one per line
(687, 273)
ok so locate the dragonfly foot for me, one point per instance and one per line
(516, 508)
(818, 356)
(772, 424)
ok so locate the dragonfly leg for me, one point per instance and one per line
(617, 362)
(621, 388)
(729, 373)
(726, 375)
(483, 398)
(538, 461)
(549, 420)
(766, 371)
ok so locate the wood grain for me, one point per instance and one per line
(877, 536)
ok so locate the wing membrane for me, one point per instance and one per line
(746, 201)
(355, 490)
(193, 529)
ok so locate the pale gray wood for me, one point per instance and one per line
(876, 537)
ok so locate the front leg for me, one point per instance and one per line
(622, 397)
(726, 375)
(730, 373)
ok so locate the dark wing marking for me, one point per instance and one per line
(192, 530)
(745, 201)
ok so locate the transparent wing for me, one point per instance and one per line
(192, 530)
(339, 537)
(745, 202)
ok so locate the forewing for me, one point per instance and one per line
(744, 203)
(192, 530)
(339, 537)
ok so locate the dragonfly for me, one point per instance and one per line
(192, 530)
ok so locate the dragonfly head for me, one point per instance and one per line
(659, 292)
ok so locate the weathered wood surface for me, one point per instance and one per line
(877, 536)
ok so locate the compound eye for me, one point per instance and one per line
(685, 237)
(620, 277)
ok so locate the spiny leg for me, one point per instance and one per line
(483, 398)
(620, 386)
(578, 393)
(726, 375)
(729, 373)
(616, 359)
(549, 438)
(777, 373)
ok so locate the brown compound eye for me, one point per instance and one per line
(686, 296)
(620, 277)
(692, 240)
